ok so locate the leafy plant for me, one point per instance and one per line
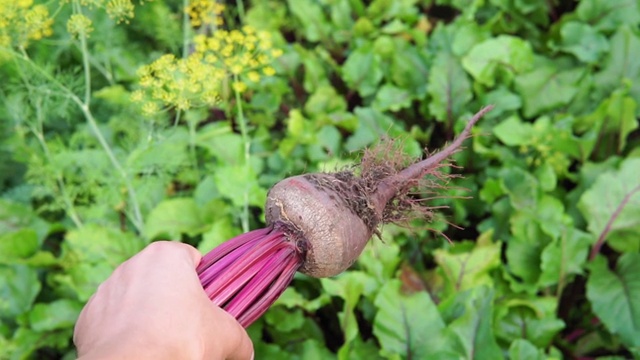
(101, 153)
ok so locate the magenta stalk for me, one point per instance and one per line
(245, 275)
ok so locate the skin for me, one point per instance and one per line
(153, 307)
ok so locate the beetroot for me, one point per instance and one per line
(317, 224)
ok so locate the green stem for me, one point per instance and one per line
(192, 145)
(240, 6)
(186, 29)
(93, 124)
(247, 155)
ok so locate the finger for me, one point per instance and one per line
(173, 250)
(231, 344)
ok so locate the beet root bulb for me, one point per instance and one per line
(326, 229)
(331, 216)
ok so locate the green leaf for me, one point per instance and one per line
(222, 143)
(380, 259)
(615, 115)
(173, 217)
(167, 154)
(464, 270)
(19, 287)
(325, 100)
(221, 230)
(522, 349)
(449, 88)
(504, 101)
(609, 15)
(407, 325)
(310, 14)
(18, 244)
(614, 296)
(349, 286)
(372, 125)
(521, 186)
(14, 216)
(612, 204)
(471, 334)
(547, 88)
(564, 256)
(283, 319)
(89, 256)
(583, 41)
(621, 66)
(240, 185)
(363, 70)
(392, 98)
(505, 54)
(530, 318)
(513, 132)
(58, 314)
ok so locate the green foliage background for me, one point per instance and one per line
(544, 261)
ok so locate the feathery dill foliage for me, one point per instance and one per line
(22, 22)
(243, 55)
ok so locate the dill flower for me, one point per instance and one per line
(120, 10)
(79, 24)
(22, 22)
(240, 52)
(204, 12)
(244, 55)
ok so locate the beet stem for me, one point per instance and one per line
(246, 274)
(390, 186)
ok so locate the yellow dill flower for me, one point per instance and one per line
(120, 10)
(198, 80)
(204, 12)
(239, 86)
(238, 51)
(253, 76)
(22, 22)
(269, 71)
(79, 24)
(150, 108)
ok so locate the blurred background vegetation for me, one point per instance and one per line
(124, 122)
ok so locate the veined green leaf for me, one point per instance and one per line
(583, 41)
(363, 70)
(612, 207)
(614, 295)
(564, 256)
(449, 88)
(547, 88)
(620, 68)
(471, 334)
(504, 53)
(173, 217)
(522, 349)
(59, 314)
(312, 17)
(408, 326)
(609, 15)
(466, 270)
(19, 287)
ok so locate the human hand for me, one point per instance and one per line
(153, 307)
